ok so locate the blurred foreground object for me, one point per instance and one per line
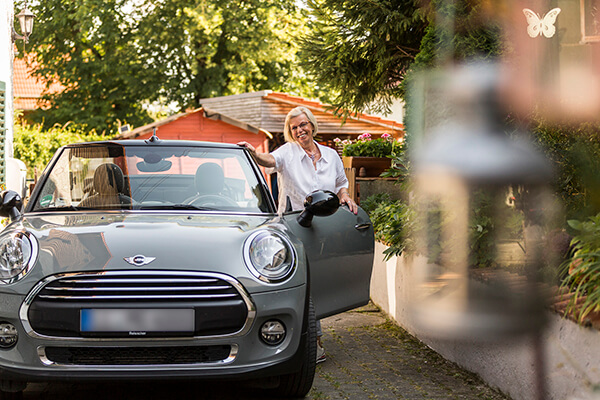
(552, 62)
(485, 208)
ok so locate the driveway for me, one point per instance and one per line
(369, 357)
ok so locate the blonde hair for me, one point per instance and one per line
(287, 131)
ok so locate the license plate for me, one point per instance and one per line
(137, 320)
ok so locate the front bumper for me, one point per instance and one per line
(250, 358)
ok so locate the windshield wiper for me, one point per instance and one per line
(176, 207)
(63, 208)
(79, 208)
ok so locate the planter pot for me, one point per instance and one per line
(372, 166)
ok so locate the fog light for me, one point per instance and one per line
(272, 332)
(8, 335)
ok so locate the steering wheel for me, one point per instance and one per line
(211, 200)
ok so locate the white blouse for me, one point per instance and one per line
(297, 176)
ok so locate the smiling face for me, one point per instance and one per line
(302, 130)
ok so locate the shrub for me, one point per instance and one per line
(35, 146)
(372, 202)
(582, 269)
(392, 222)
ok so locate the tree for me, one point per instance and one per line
(359, 50)
(116, 57)
(457, 31)
(221, 47)
(86, 46)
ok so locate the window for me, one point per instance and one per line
(590, 20)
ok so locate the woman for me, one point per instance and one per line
(303, 166)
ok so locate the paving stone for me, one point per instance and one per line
(368, 357)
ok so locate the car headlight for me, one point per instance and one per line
(18, 252)
(269, 256)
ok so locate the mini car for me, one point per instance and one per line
(167, 260)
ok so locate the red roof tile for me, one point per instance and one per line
(29, 89)
(317, 104)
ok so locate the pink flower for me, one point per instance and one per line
(337, 140)
(346, 142)
(386, 135)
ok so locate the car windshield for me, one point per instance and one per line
(115, 177)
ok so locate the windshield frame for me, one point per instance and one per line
(262, 190)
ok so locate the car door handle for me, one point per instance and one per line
(362, 227)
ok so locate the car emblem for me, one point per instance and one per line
(139, 260)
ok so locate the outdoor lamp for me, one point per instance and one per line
(483, 208)
(25, 18)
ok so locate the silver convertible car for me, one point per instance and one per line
(167, 260)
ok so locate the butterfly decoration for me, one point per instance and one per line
(541, 26)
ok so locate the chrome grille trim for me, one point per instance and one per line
(141, 280)
(155, 287)
(161, 276)
(140, 297)
(133, 289)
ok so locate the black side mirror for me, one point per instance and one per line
(320, 203)
(11, 205)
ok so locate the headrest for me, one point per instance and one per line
(108, 179)
(209, 178)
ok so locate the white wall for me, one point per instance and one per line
(396, 112)
(6, 60)
(572, 352)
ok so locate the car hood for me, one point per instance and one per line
(93, 242)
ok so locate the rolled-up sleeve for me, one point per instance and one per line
(341, 181)
(279, 155)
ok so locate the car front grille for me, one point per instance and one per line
(220, 303)
(120, 356)
(127, 286)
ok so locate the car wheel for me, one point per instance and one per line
(298, 384)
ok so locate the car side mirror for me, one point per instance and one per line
(320, 203)
(11, 205)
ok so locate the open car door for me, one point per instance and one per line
(340, 249)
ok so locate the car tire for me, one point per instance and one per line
(298, 384)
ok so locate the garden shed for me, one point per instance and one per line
(203, 125)
(259, 120)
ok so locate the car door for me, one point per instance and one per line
(339, 248)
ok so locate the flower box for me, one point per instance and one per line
(373, 166)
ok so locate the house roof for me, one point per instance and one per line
(314, 104)
(267, 110)
(28, 89)
(142, 130)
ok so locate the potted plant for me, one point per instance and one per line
(369, 156)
